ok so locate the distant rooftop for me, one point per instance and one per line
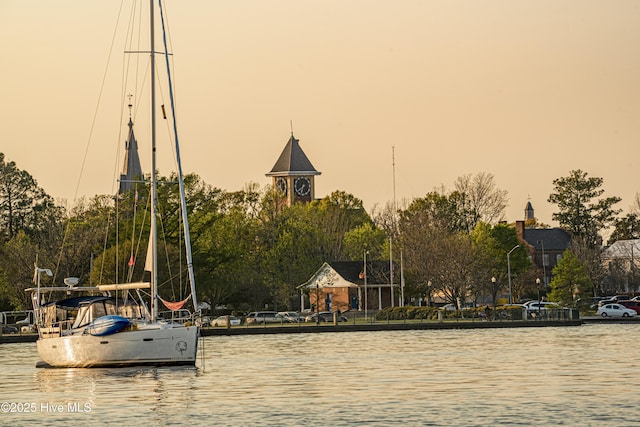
(293, 161)
(551, 238)
(623, 249)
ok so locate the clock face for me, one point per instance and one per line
(281, 185)
(302, 186)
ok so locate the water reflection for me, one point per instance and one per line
(523, 376)
(133, 390)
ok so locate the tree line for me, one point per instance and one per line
(251, 251)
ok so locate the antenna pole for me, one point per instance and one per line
(393, 224)
(393, 165)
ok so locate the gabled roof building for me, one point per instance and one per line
(546, 244)
(341, 286)
(621, 260)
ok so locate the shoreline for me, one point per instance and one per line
(366, 327)
(370, 327)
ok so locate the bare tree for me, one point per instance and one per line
(635, 208)
(483, 200)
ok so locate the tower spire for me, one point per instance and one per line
(130, 96)
(132, 169)
(528, 210)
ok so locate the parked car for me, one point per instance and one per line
(594, 302)
(449, 307)
(26, 326)
(618, 298)
(203, 321)
(612, 300)
(616, 310)
(289, 316)
(8, 329)
(540, 305)
(259, 317)
(633, 305)
(325, 316)
(222, 321)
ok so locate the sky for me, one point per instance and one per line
(525, 90)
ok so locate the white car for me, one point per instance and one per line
(262, 317)
(222, 321)
(540, 305)
(289, 316)
(25, 325)
(616, 310)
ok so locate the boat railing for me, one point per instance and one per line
(55, 329)
(176, 316)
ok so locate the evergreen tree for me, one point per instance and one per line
(23, 205)
(580, 211)
(626, 228)
(571, 285)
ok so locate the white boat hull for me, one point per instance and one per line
(152, 344)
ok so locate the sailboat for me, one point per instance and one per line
(91, 326)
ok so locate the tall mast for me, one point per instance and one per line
(154, 238)
(183, 201)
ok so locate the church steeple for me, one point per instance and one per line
(528, 212)
(132, 169)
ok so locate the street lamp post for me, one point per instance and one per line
(402, 281)
(317, 303)
(538, 286)
(509, 272)
(493, 290)
(365, 286)
(544, 265)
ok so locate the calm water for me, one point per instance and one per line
(573, 376)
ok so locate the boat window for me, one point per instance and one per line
(110, 307)
(83, 316)
(98, 310)
(87, 313)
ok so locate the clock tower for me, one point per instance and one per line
(293, 174)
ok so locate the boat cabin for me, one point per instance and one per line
(77, 312)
